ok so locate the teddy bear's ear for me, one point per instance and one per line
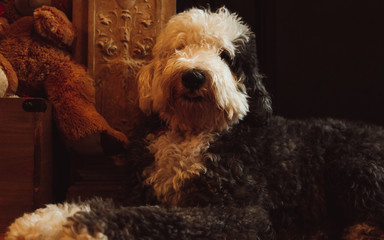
(53, 25)
(144, 81)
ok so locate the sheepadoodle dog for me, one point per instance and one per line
(222, 167)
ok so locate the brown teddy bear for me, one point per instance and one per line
(35, 61)
(15, 9)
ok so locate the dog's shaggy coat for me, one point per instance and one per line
(225, 168)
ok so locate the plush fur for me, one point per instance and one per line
(223, 167)
(8, 78)
(33, 53)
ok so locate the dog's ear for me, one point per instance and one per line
(144, 81)
(245, 64)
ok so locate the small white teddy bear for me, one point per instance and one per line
(8, 79)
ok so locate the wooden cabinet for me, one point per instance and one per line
(25, 156)
(115, 38)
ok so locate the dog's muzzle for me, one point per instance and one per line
(193, 79)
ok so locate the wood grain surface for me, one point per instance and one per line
(25, 158)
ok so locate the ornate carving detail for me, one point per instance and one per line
(104, 20)
(126, 30)
(119, 35)
(108, 46)
(143, 47)
(125, 3)
(122, 34)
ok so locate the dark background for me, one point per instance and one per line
(321, 58)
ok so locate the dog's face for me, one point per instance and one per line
(203, 72)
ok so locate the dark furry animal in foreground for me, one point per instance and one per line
(224, 167)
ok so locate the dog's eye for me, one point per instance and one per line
(180, 47)
(226, 57)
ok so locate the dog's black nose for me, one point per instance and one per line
(193, 79)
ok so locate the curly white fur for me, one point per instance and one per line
(178, 158)
(191, 40)
(50, 223)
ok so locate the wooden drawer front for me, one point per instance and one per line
(25, 157)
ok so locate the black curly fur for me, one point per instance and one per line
(290, 178)
(286, 180)
(245, 65)
(153, 222)
(271, 178)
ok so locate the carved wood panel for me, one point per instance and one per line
(121, 34)
(114, 39)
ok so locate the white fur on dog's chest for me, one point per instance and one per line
(178, 158)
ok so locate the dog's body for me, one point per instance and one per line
(231, 170)
(312, 178)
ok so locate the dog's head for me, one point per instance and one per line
(203, 76)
